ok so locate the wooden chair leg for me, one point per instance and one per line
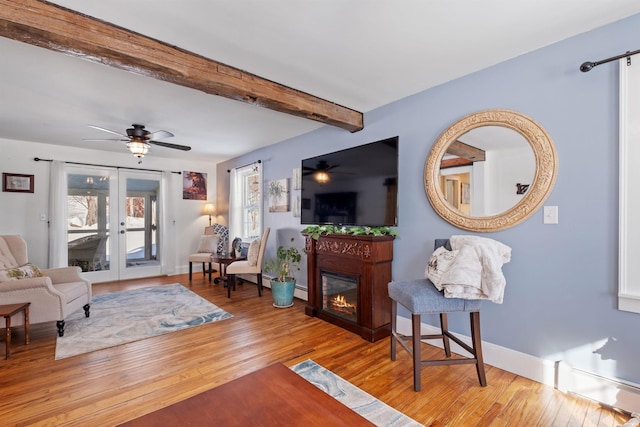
(394, 326)
(444, 329)
(259, 276)
(477, 346)
(204, 272)
(231, 281)
(190, 269)
(415, 325)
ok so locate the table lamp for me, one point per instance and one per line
(209, 209)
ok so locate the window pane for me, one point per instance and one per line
(87, 222)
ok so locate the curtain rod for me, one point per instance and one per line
(252, 163)
(38, 159)
(587, 66)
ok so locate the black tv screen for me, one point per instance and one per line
(355, 186)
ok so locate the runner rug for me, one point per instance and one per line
(376, 411)
(122, 317)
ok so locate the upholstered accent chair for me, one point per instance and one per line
(252, 265)
(53, 293)
(211, 243)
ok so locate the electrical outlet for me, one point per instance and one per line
(43, 217)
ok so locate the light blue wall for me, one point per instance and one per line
(560, 300)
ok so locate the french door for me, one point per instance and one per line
(113, 222)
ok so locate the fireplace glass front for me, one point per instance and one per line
(340, 295)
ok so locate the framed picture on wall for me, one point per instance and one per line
(466, 193)
(279, 195)
(194, 185)
(17, 183)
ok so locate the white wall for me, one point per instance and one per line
(20, 212)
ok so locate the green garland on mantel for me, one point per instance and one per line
(315, 231)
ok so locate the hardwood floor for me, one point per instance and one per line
(110, 386)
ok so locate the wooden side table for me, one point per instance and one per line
(9, 310)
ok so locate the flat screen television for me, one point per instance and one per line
(356, 186)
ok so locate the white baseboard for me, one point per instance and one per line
(613, 392)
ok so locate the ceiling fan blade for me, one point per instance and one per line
(100, 140)
(159, 134)
(107, 130)
(169, 145)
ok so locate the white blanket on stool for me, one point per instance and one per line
(476, 271)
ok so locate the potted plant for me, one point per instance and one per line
(283, 285)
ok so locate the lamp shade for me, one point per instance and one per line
(208, 209)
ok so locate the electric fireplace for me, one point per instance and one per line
(347, 278)
(340, 295)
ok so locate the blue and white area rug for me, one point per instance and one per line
(121, 317)
(374, 410)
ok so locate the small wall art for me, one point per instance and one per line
(17, 183)
(279, 195)
(466, 193)
(296, 206)
(194, 185)
(297, 179)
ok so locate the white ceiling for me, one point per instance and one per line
(358, 53)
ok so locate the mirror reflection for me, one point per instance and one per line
(486, 171)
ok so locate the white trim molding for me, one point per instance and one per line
(629, 176)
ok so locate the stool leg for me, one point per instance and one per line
(477, 346)
(415, 326)
(444, 329)
(394, 313)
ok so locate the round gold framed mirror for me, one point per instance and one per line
(508, 166)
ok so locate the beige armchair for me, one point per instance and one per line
(211, 243)
(54, 293)
(252, 265)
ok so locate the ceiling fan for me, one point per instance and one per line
(139, 140)
(320, 172)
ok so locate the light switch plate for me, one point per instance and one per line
(550, 214)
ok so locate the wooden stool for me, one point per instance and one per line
(9, 310)
(422, 297)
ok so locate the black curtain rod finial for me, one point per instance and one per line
(587, 66)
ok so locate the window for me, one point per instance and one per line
(629, 228)
(245, 215)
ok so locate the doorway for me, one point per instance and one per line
(113, 228)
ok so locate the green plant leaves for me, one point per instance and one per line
(315, 231)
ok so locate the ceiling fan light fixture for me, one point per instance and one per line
(138, 148)
(321, 177)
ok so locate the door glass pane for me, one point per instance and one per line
(141, 222)
(88, 221)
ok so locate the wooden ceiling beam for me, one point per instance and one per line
(455, 162)
(63, 30)
(466, 151)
